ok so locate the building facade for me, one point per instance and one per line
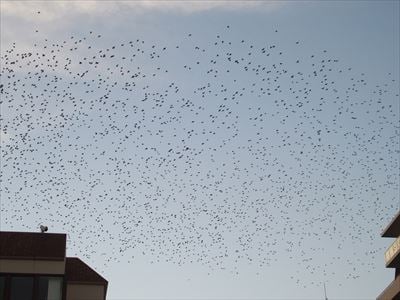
(34, 266)
(392, 259)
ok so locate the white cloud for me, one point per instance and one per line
(198, 6)
(46, 11)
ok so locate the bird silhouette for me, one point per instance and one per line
(212, 151)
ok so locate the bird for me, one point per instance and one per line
(213, 150)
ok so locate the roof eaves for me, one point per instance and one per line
(393, 229)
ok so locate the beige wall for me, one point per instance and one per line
(84, 292)
(32, 266)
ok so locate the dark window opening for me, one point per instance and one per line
(21, 288)
(31, 287)
(2, 287)
(49, 288)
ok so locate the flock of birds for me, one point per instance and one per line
(218, 151)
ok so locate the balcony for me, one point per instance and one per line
(392, 291)
(392, 257)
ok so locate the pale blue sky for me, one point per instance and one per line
(306, 219)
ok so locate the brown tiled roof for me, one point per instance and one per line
(32, 245)
(393, 229)
(76, 271)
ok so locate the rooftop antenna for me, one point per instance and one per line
(326, 298)
(43, 228)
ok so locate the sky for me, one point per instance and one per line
(206, 149)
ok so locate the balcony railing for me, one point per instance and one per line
(392, 254)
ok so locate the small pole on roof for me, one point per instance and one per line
(326, 298)
(43, 228)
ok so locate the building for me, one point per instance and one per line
(33, 266)
(392, 259)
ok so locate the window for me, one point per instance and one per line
(21, 288)
(30, 287)
(2, 287)
(49, 288)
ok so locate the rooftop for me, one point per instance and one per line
(393, 229)
(76, 271)
(32, 245)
